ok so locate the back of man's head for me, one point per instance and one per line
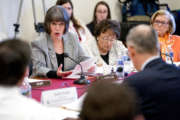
(109, 101)
(144, 39)
(14, 59)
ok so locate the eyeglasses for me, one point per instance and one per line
(109, 38)
(59, 23)
(157, 22)
(101, 12)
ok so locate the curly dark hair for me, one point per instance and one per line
(105, 25)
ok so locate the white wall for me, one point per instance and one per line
(7, 16)
(83, 9)
(173, 4)
(86, 8)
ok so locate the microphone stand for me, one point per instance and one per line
(17, 25)
(39, 27)
(82, 79)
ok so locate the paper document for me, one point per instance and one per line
(67, 113)
(177, 64)
(86, 65)
(72, 109)
(74, 106)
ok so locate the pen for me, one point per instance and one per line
(65, 108)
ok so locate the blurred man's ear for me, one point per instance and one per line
(26, 74)
(131, 51)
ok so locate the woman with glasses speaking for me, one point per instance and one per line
(164, 24)
(105, 48)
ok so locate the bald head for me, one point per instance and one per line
(144, 39)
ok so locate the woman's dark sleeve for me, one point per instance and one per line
(52, 74)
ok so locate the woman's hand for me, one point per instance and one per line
(92, 69)
(60, 73)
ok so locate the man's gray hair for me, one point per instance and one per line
(143, 38)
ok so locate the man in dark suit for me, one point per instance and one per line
(157, 84)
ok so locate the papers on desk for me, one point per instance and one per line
(74, 106)
(177, 64)
(65, 113)
(85, 66)
(72, 109)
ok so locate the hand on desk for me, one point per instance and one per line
(92, 69)
(60, 73)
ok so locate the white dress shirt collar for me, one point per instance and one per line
(9, 90)
(148, 61)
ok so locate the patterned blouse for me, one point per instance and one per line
(170, 43)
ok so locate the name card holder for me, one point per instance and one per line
(59, 97)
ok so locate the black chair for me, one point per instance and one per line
(126, 26)
(176, 14)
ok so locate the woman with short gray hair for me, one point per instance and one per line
(48, 50)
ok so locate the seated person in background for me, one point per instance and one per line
(106, 49)
(157, 83)
(101, 12)
(109, 101)
(14, 60)
(164, 24)
(48, 50)
(76, 26)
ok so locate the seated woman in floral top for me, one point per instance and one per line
(105, 48)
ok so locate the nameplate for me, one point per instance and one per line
(38, 83)
(59, 97)
(111, 77)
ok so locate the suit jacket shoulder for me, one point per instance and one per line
(40, 41)
(43, 55)
(156, 69)
(157, 87)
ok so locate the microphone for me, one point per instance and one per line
(82, 79)
(166, 54)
